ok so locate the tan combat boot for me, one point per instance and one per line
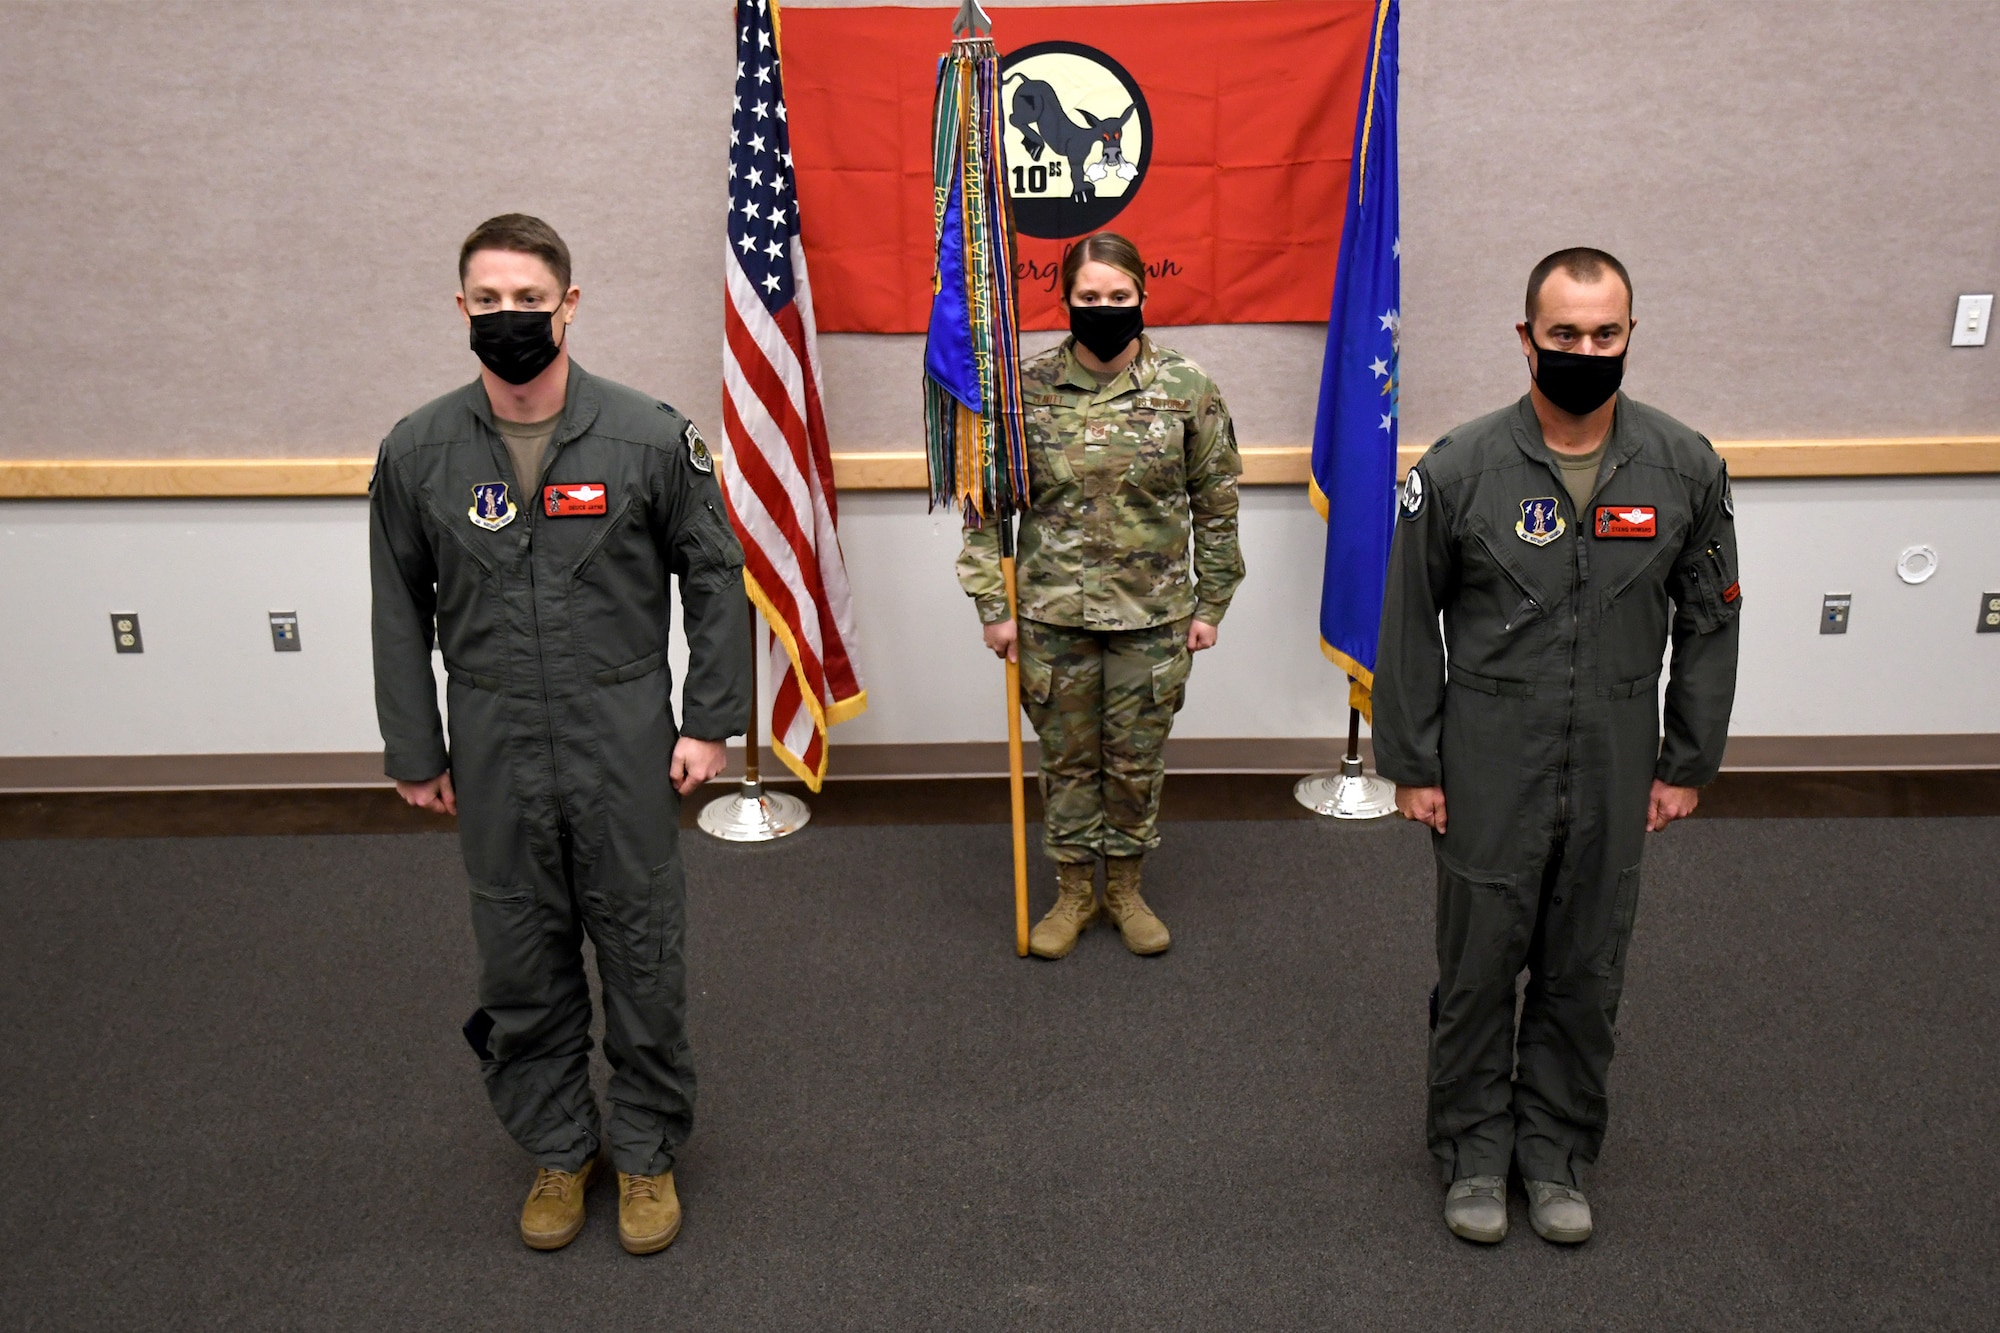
(553, 1213)
(649, 1212)
(1075, 910)
(1144, 933)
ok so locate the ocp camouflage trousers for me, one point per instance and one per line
(1102, 703)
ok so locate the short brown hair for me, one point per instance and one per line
(523, 235)
(1582, 263)
(1106, 247)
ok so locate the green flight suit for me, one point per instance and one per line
(1129, 534)
(1545, 733)
(550, 602)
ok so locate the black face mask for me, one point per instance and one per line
(516, 345)
(1577, 384)
(1107, 330)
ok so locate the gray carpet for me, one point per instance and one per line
(233, 1094)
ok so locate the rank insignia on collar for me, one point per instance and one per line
(698, 450)
(573, 501)
(491, 509)
(1627, 521)
(1540, 523)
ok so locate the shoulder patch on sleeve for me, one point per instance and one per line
(698, 450)
(1413, 493)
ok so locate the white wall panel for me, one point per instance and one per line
(203, 574)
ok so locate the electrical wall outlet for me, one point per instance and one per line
(1833, 610)
(125, 632)
(285, 631)
(1989, 613)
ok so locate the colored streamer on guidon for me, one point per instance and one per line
(972, 367)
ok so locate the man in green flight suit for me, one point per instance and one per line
(529, 523)
(1564, 541)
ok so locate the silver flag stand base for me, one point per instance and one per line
(753, 815)
(1348, 794)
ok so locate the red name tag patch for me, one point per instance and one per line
(1626, 521)
(573, 501)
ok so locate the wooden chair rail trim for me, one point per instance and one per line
(903, 469)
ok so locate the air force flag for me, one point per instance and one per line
(1354, 438)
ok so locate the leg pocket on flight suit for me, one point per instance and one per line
(512, 937)
(1624, 915)
(666, 893)
(1610, 959)
(1482, 932)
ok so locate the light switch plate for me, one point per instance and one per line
(285, 631)
(125, 632)
(1833, 609)
(1989, 613)
(1968, 329)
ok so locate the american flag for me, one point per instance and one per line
(777, 472)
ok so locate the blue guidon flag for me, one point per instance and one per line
(1354, 438)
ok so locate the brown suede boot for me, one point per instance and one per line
(1075, 910)
(1144, 933)
(553, 1213)
(649, 1212)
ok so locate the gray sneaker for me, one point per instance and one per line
(1558, 1213)
(1475, 1208)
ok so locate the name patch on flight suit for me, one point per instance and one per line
(1540, 523)
(1627, 521)
(491, 509)
(573, 501)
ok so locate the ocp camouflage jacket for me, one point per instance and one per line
(1121, 480)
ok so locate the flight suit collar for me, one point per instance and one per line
(1620, 443)
(581, 402)
(1141, 373)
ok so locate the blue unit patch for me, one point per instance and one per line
(1540, 523)
(491, 509)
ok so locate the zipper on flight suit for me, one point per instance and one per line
(1580, 568)
(541, 658)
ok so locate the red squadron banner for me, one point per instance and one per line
(1216, 136)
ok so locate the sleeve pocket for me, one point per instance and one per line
(1708, 588)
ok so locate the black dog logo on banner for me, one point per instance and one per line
(1071, 169)
(1044, 122)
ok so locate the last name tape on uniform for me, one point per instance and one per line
(577, 500)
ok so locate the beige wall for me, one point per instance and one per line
(228, 228)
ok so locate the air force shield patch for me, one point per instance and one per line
(1540, 523)
(698, 450)
(491, 509)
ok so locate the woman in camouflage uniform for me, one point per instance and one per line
(1131, 459)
